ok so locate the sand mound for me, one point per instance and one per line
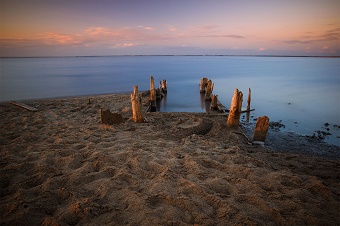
(59, 166)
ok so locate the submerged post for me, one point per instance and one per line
(209, 89)
(261, 130)
(235, 109)
(214, 102)
(136, 103)
(203, 85)
(152, 95)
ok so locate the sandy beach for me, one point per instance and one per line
(60, 166)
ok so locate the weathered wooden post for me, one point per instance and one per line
(209, 89)
(235, 109)
(248, 105)
(261, 129)
(153, 107)
(247, 116)
(249, 99)
(136, 102)
(214, 101)
(163, 86)
(203, 85)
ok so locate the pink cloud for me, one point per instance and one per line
(124, 45)
(172, 28)
(149, 28)
(105, 36)
(262, 49)
(59, 39)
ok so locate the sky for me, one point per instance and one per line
(169, 27)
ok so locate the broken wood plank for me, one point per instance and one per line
(244, 110)
(24, 106)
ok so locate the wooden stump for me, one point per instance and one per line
(209, 89)
(203, 85)
(261, 129)
(136, 103)
(163, 86)
(214, 102)
(106, 117)
(235, 109)
(153, 107)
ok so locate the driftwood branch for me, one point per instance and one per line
(25, 106)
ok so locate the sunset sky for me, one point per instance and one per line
(162, 27)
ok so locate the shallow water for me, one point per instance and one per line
(303, 92)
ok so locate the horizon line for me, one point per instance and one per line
(227, 55)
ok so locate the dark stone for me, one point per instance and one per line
(109, 118)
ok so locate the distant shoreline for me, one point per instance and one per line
(170, 55)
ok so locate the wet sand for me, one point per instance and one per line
(60, 166)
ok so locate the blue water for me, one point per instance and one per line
(303, 92)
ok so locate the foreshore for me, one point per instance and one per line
(60, 166)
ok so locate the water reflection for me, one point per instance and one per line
(205, 104)
(161, 104)
(174, 102)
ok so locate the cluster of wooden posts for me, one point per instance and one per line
(155, 94)
(206, 86)
(235, 111)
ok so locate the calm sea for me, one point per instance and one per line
(302, 92)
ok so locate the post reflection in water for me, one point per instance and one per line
(161, 104)
(205, 104)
